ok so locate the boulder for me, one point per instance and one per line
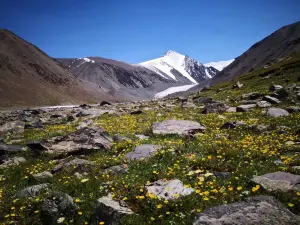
(202, 100)
(271, 100)
(171, 189)
(15, 128)
(262, 210)
(276, 112)
(263, 104)
(37, 147)
(137, 112)
(278, 181)
(231, 109)
(4, 148)
(142, 152)
(81, 165)
(141, 136)
(251, 96)
(217, 107)
(293, 109)
(34, 125)
(245, 108)
(275, 87)
(180, 127)
(231, 125)
(109, 211)
(43, 176)
(103, 103)
(32, 191)
(116, 170)
(15, 161)
(84, 140)
(84, 124)
(59, 204)
(237, 85)
(282, 93)
(119, 138)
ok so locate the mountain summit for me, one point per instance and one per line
(178, 67)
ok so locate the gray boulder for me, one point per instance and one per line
(109, 211)
(276, 112)
(251, 95)
(142, 152)
(271, 100)
(181, 127)
(32, 191)
(84, 140)
(59, 204)
(15, 128)
(217, 107)
(231, 109)
(262, 210)
(245, 108)
(274, 87)
(43, 176)
(81, 165)
(202, 100)
(15, 161)
(278, 181)
(171, 189)
(263, 104)
(115, 170)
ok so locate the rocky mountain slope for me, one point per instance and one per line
(29, 77)
(178, 67)
(205, 159)
(279, 44)
(118, 78)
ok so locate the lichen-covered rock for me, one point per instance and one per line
(217, 107)
(260, 210)
(15, 161)
(15, 128)
(109, 211)
(32, 191)
(43, 176)
(115, 170)
(81, 165)
(279, 181)
(142, 152)
(171, 189)
(263, 104)
(181, 127)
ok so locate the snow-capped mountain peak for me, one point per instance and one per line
(219, 65)
(179, 67)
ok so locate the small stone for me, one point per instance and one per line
(217, 107)
(231, 109)
(142, 137)
(171, 189)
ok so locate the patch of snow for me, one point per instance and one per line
(219, 65)
(89, 60)
(207, 73)
(172, 90)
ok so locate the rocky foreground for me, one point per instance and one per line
(226, 155)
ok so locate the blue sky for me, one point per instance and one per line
(137, 30)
